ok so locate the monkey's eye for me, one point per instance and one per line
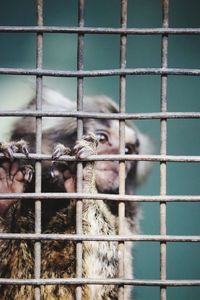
(131, 149)
(102, 137)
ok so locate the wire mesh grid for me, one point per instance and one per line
(163, 158)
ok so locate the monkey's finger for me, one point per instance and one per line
(56, 154)
(7, 150)
(28, 173)
(80, 145)
(60, 150)
(77, 148)
(84, 153)
(24, 150)
(20, 146)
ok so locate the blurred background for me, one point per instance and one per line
(18, 50)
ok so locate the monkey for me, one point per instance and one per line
(58, 258)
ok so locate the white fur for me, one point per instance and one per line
(92, 262)
(54, 101)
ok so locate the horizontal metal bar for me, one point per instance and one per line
(117, 197)
(113, 116)
(100, 73)
(81, 237)
(107, 281)
(99, 30)
(114, 157)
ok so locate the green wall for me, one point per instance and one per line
(143, 95)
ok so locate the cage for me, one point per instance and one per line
(143, 53)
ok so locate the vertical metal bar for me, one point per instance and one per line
(163, 149)
(122, 108)
(38, 169)
(79, 204)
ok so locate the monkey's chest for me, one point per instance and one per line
(100, 258)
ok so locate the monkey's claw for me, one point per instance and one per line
(86, 146)
(60, 150)
(8, 149)
(27, 172)
(59, 167)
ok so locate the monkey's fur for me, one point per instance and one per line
(58, 258)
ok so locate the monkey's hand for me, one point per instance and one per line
(84, 148)
(61, 171)
(66, 172)
(14, 173)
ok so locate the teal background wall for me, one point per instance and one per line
(143, 95)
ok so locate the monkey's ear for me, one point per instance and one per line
(143, 167)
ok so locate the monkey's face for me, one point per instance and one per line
(107, 172)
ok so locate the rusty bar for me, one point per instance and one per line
(164, 71)
(163, 149)
(122, 109)
(100, 73)
(116, 157)
(82, 237)
(107, 281)
(79, 203)
(113, 116)
(135, 198)
(101, 30)
(38, 167)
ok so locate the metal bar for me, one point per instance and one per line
(154, 198)
(163, 150)
(112, 116)
(122, 109)
(38, 167)
(100, 30)
(115, 157)
(107, 281)
(100, 238)
(99, 73)
(164, 71)
(79, 203)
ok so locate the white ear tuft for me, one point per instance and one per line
(53, 100)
